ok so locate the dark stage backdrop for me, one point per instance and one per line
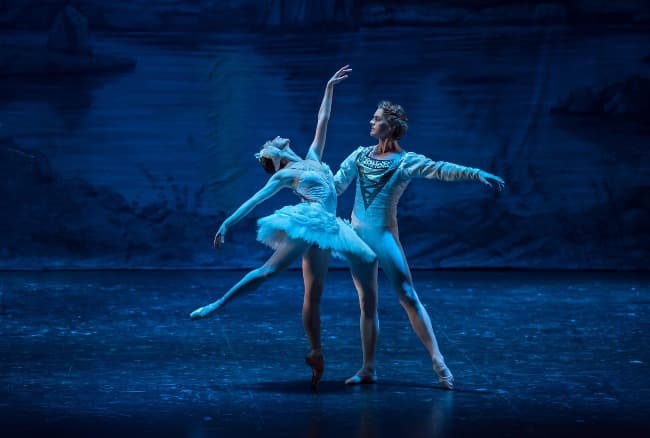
(127, 129)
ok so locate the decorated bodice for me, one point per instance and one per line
(315, 183)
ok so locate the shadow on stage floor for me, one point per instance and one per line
(115, 353)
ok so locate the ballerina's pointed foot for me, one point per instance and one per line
(445, 378)
(362, 377)
(205, 311)
(317, 364)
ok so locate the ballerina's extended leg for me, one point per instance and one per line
(286, 253)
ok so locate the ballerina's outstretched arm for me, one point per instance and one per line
(279, 180)
(316, 149)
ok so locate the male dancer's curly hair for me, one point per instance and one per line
(395, 117)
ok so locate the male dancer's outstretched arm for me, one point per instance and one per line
(417, 165)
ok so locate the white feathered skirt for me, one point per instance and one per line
(311, 222)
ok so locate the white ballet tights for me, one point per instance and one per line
(385, 242)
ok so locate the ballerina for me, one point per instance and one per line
(309, 229)
(383, 172)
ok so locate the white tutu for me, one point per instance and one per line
(311, 222)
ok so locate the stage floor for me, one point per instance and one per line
(114, 352)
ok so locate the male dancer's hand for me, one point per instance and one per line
(339, 76)
(491, 180)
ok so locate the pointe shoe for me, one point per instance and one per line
(445, 378)
(317, 364)
(198, 313)
(362, 378)
(205, 311)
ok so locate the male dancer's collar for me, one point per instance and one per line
(378, 163)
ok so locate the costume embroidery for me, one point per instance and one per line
(373, 175)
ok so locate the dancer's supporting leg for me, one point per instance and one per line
(393, 261)
(364, 276)
(287, 252)
(314, 269)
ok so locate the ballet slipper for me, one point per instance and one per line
(362, 378)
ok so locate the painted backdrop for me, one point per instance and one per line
(127, 131)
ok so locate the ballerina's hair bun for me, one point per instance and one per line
(268, 156)
(267, 164)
